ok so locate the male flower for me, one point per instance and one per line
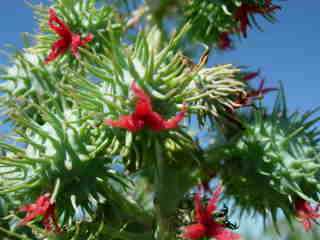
(246, 100)
(242, 14)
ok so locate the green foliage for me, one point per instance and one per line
(28, 81)
(271, 163)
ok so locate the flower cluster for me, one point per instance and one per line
(247, 99)
(243, 13)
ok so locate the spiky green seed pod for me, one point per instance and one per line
(66, 157)
(271, 163)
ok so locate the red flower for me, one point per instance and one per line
(206, 226)
(243, 12)
(42, 207)
(224, 41)
(145, 116)
(243, 101)
(305, 213)
(67, 39)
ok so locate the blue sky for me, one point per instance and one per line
(286, 51)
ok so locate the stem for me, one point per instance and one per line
(164, 230)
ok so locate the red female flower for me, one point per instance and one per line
(250, 76)
(246, 100)
(42, 207)
(305, 213)
(224, 41)
(67, 39)
(206, 225)
(245, 10)
(145, 116)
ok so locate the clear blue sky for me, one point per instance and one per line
(286, 51)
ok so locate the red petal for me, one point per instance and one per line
(87, 39)
(260, 92)
(224, 41)
(173, 122)
(143, 105)
(143, 109)
(58, 25)
(28, 218)
(140, 94)
(155, 122)
(251, 76)
(212, 204)
(307, 225)
(47, 224)
(200, 214)
(27, 208)
(195, 231)
(267, 90)
(244, 26)
(78, 42)
(261, 85)
(226, 235)
(241, 16)
(269, 7)
(127, 122)
(58, 48)
(75, 44)
(44, 199)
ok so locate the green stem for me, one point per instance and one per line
(164, 230)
